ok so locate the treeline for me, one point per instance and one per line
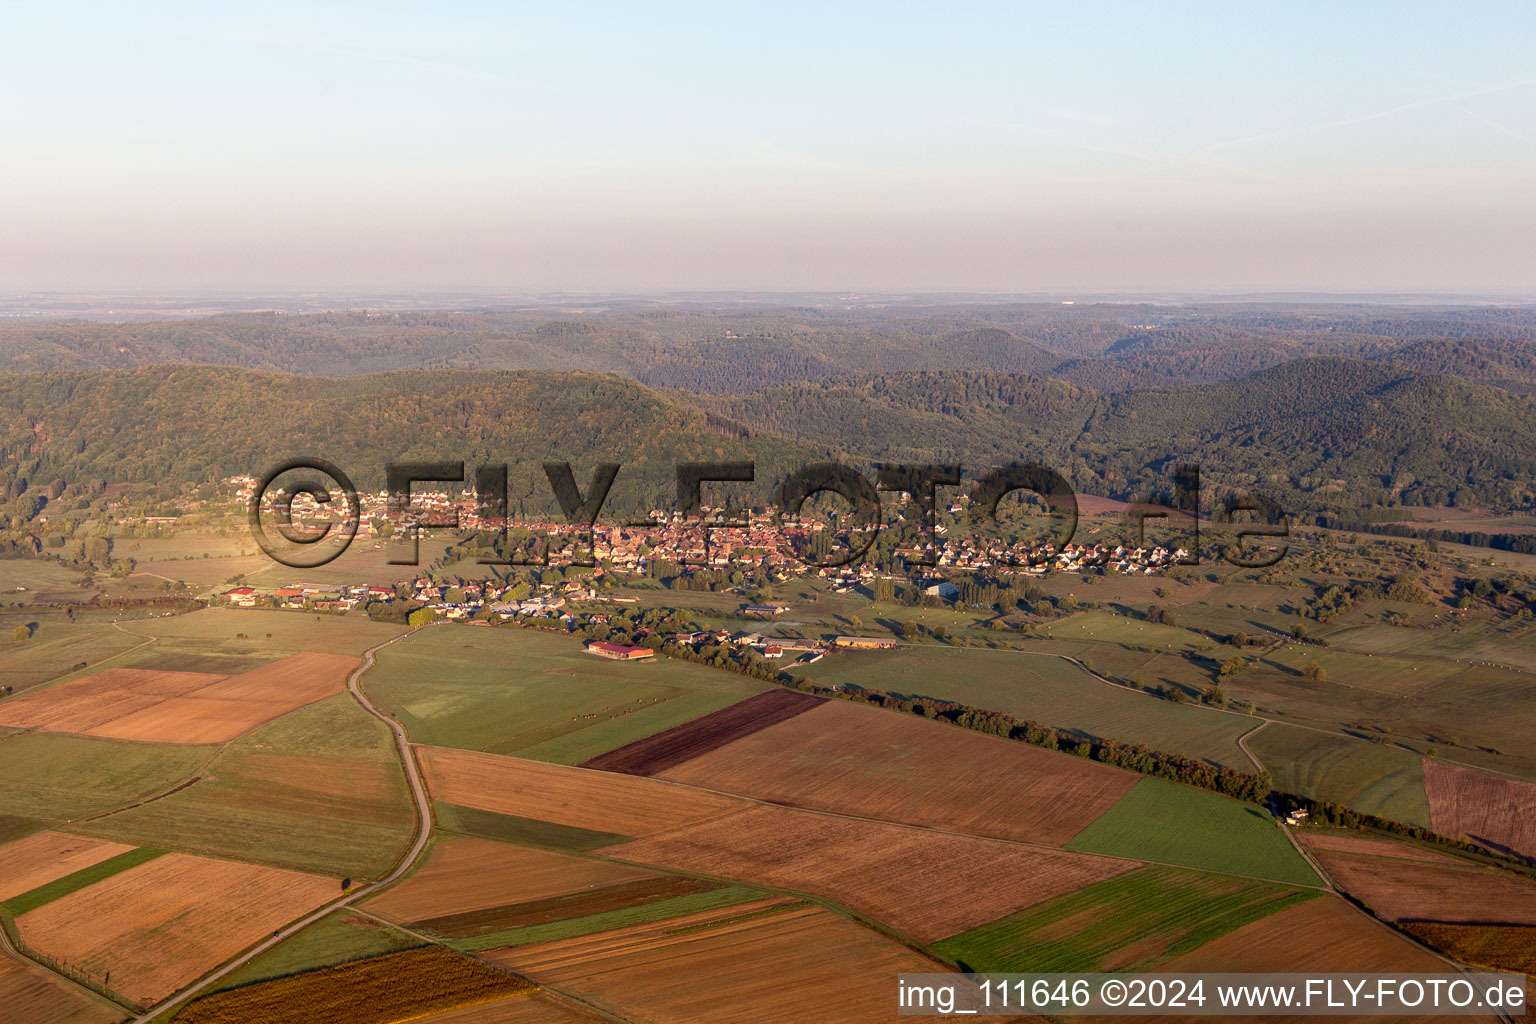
(1330, 813)
(1519, 543)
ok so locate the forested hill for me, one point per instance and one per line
(1320, 431)
(199, 424)
(1314, 432)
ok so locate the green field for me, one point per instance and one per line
(572, 927)
(13, 828)
(1503, 642)
(217, 631)
(319, 789)
(1046, 689)
(508, 828)
(54, 777)
(1168, 823)
(538, 695)
(1359, 774)
(60, 887)
(57, 646)
(1378, 674)
(1133, 922)
(1109, 628)
(338, 938)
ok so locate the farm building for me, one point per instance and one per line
(765, 611)
(863, 642)
(619, 652)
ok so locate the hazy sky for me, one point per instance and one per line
(1014, 146)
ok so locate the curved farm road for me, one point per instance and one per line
(423, 833)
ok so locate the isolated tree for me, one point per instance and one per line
(1315, 672)
(21, 634)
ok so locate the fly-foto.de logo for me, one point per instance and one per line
(305, 512)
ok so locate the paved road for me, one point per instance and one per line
(423, 833)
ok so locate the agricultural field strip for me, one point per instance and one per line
(425, 812)
(922, 828)
(44, 857)
(1226, 711)
(1152, 696)
(424, 832)
(190, 708)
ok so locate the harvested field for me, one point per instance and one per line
(32, 995)
(382, 990)
(863, 761)
(1490, 810)
(1349, 842)
(464, 875)
(179, 707)
(1129, 923)
(573, 906)
(1416, 891)
(928, 885)
(162, 924)
(691, 968)
(1496, 947)
(586, 799)
(1324, 934)
(672, 747)
(42, 858)
(320, 790)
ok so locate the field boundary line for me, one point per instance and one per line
(423, 834)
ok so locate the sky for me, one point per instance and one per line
(1012, 147)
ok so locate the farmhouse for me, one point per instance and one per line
(619, 652)
(863, 642)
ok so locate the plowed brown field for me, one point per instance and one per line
(31, 995)
(929, 885)
(586, 903)
(1509, 947)
(381, 990)
(859, 760)
(160, 925)
(1412, 890)
(464, 875)
(1491, 810)
(770, 961)
(180, 707)
(1320, 935)
(1345, 842)
(709, 732)
(603, 801)
(39, 859)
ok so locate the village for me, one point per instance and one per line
(762, 540)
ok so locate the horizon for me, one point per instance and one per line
(1015, 150)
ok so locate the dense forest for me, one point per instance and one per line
(1315, 433)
